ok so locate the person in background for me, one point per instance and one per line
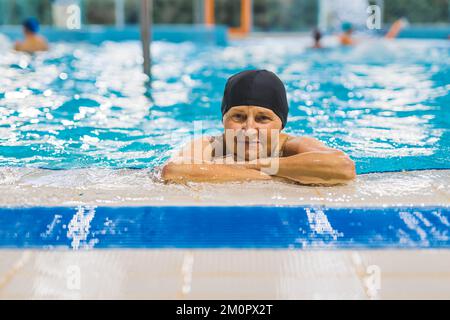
(317, 36)
(396, 28)
(32, 42)
(346, 37)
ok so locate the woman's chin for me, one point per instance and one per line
(248, 157)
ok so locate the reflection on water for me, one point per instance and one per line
(79, 105)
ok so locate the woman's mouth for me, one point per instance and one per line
(248, 141)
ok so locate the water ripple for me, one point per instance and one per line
(81, 105)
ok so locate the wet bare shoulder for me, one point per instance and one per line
(296, 145)
(198, 150)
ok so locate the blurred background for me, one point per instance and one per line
(268, 15)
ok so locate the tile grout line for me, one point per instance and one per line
(18, 265)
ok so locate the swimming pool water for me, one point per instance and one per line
(81, 105)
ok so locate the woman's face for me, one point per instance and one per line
(251, 132)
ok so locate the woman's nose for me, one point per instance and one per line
(250, 124)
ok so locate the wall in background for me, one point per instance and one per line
(269, 15)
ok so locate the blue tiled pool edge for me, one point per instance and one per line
(216, 35)
(286, 227)
(426, 32)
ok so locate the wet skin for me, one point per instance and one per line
(32, 43)
(252, 138)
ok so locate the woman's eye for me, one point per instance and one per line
(238, 117)
(263, 119)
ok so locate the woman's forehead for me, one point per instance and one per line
(251, 109)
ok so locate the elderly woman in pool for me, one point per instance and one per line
(253, 147)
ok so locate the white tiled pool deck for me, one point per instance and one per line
(228, 273)
(224, 274)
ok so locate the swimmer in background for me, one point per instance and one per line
(317, 36)
(396, 28)
(346, 37)
(33, 42)
(254, 113)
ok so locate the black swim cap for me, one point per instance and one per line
(259, 88)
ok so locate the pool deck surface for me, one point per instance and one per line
(225, 274)
(220, 273)
(103, 187)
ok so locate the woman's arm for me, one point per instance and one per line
(309, 161)
(318, 167)
(181, 173)
(194, 163)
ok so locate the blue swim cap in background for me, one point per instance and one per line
(31, 25)
(347, 26)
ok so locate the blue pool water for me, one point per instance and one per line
(82, 105)
(225, 227)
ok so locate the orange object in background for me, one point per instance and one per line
(346, 40)
(396, 28)
(210, 17)
(246, 17)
